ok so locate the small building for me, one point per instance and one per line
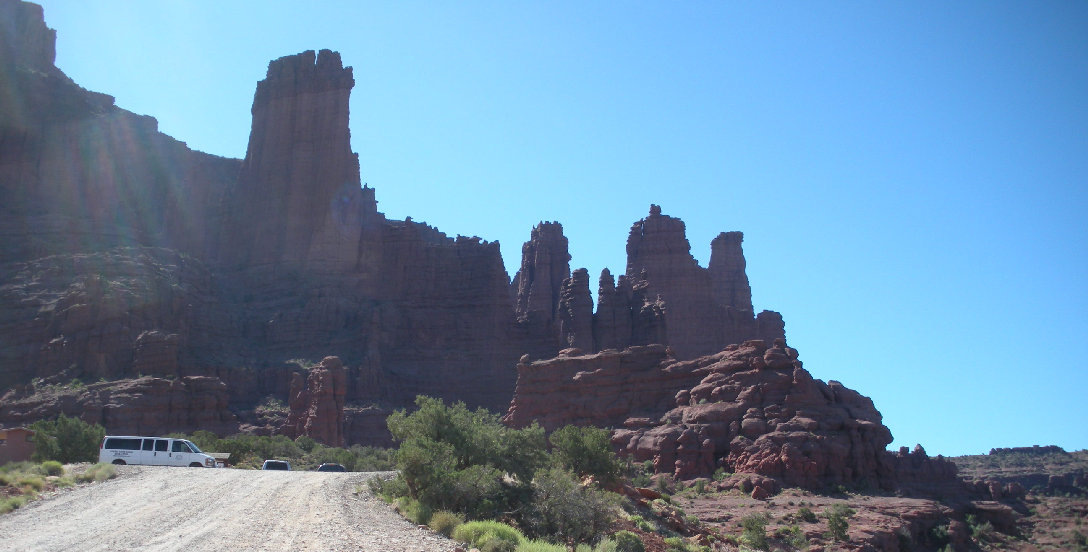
(16, 445)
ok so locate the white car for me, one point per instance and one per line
(152, 451)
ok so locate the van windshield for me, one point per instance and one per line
(193, 446)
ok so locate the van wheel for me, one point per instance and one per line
(118, 462)
(196, 465)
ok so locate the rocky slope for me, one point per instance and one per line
(748, 409)
(125, 254)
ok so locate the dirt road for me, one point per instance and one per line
(157, 509)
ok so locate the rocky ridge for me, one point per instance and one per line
(749, 409)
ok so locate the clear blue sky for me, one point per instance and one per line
(911, 177)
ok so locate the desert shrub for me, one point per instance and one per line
(980, 531)
(12, 503)
(97, 472)
(30, 482)
(539, 546)
(676, 544)
(793, 537)
(700, 486)
(938, 535)
(445, 521)
(495, 544)
(807, 515)
(564, 511)
(754, 530)
(479, 533)
(837, 524)
(412, 509)
(642, 524)
(52, 467)
(606, 545)
(585, 451)
(627, 541)
(639, 472)
(66, 440)
(663, 484)
(465, 461)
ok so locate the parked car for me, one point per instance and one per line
(282, 465)
(331, 467)
(152, 451)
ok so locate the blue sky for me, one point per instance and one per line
(911, 177)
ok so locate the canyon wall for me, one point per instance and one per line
(126, 256)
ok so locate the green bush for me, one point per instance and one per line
(412, 509)
(754, 530)
(479, 533)
(564, 511)
(807, 515)
(837, 524)
(627, 541)
(30, 482)
(642, 524)
(980, 531)
(465, 461)
(793, 536)
(97, 472)
(66, 440)
(12, 503)
(585, 451)
(52, 467)
(539, 546)
(444, 522)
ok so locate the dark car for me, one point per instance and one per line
(282, 465)
(330, 467)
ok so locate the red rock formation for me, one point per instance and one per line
(748, 409)
(317, 406)
(298, 199)
(665, 296)
(155, 259)
(576, 312)
(545, 263)
(143, 406)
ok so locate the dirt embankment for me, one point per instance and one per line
(160, 509)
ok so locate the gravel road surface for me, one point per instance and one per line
(156, 509)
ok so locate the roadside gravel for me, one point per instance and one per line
(160, 509)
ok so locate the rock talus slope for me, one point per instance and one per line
(747, 409)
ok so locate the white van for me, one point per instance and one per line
(152, 451)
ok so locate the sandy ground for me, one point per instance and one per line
(156, 509)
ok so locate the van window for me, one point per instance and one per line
(149, 444)
(180, 446)
(122, 444)
(161, 445)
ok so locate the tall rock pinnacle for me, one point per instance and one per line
(545, 263)
(300, 180)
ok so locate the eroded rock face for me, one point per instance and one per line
(142, 406)
(545, 263)
(123, 254)
(317, 403)
(298, 199)
(748, 409)
(664, 297)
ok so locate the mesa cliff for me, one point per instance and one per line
(138, 276)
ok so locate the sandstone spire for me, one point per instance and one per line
(729, 282)
(575, 312)
(545, 263)
(298, 191)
